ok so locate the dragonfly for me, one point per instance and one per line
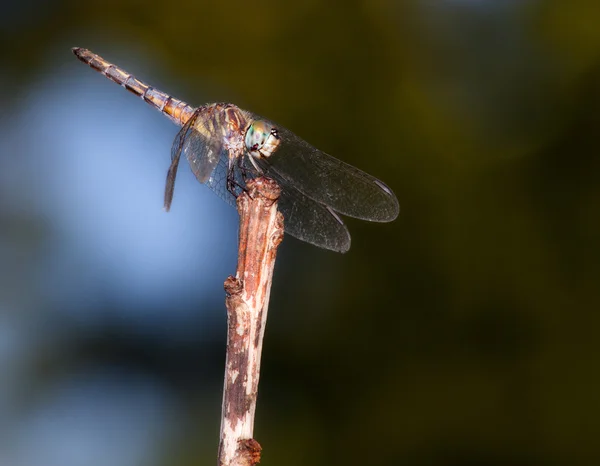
(226, 146)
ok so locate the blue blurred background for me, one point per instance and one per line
(462, 334)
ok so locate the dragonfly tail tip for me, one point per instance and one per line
(77, 51)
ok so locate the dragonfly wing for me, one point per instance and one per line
(176, 150)
(310, 221)
(329, 181)
(202, 151)
(314, 223)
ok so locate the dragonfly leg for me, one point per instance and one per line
(233, 186)
(243, 169)
(258, 170)
(240, 164)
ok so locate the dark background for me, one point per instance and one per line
(464, 333)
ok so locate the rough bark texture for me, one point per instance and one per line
(261, 232)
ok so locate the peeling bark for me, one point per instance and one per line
(261, 232)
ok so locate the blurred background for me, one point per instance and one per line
(462, 334)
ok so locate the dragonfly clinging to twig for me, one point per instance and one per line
(225, 146)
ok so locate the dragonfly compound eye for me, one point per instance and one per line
(262, 139)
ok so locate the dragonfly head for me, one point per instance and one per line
(262, 138)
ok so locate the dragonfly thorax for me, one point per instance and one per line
(262, 138)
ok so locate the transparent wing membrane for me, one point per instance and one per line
(176, 149)
(202, 148)
(330, 181)
(218, 181)
(312, 222)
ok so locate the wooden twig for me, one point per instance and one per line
(261, 232)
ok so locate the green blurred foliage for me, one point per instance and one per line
(466, 332)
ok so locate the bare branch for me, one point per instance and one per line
(261, 232)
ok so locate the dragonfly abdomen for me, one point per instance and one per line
(178, 111)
